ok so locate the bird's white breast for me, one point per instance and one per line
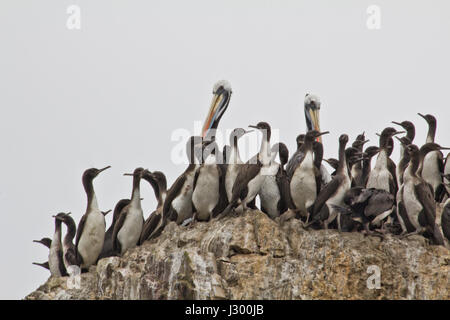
(254, 186)
(430, 171)
(206, 194)
(380, 176)
(303, 183)
(338, 197)
(230, 178)
(92, 238)
(130, 232)
(412, 205)
(270, 195)
(183, 202)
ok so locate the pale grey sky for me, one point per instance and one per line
(113, 92)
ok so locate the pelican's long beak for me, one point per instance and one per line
(218, 106)
(315, 122)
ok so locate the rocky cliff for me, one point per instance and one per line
(252, 257)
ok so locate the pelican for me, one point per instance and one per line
(312, 109)
(219, 104)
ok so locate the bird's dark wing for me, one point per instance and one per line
(150, 226)
(197, 173)
(294, 162)
(425, 196)
(61, 266)
(401, 210)
(445, 221)
(223, 199)
(327, 191)
(378, 203)
(392, 169)
(117, 226)
(71, 256)
(172, 193)
(440, 161)
(283, 185)
(246, 173)
(318, 176)
(80, 229)
(342, 209)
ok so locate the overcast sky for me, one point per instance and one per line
(114, 92)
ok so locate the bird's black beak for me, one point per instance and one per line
(321, 134)
(104, 169)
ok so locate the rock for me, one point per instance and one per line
(252, 257)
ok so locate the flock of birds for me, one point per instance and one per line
(389, 198)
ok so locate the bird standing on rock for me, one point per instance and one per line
(206, 185)
(302, 173)
(128, 228)
(418, 199)
(91, 228)
(251, 174)
(159, 183)
(333, 193)
(433, 164)
(383, 174)
(274, 193)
